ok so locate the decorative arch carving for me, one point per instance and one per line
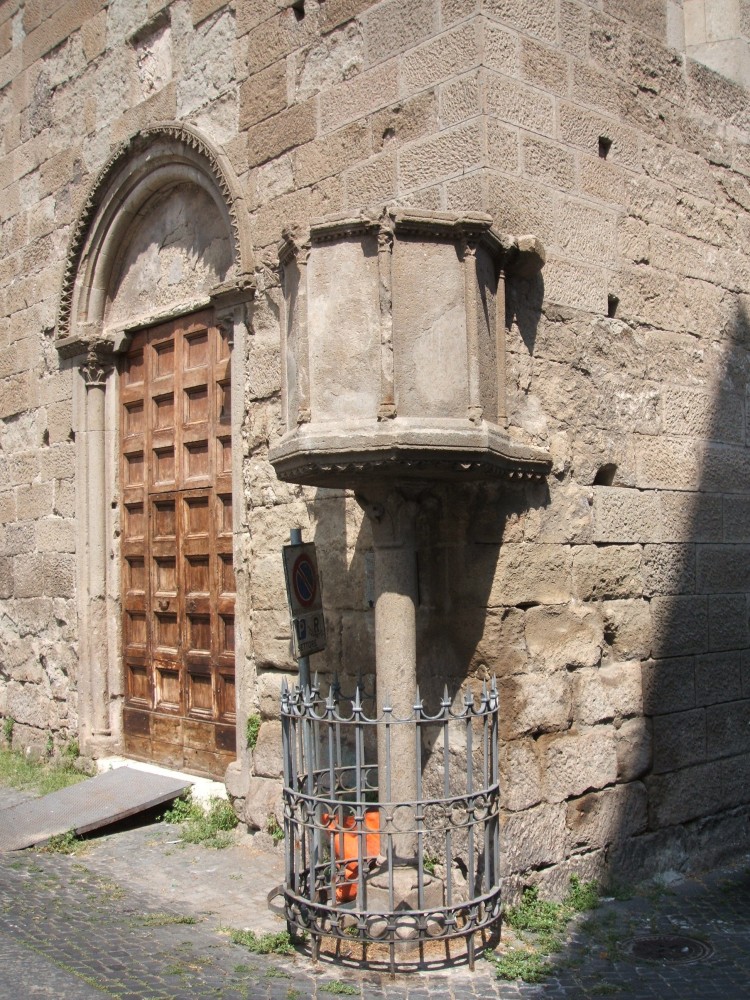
(138, 168)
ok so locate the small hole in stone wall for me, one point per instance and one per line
(71, 435)
(299, 9)
(612, 304)
(605, 144)
(45, 437)
(605, 475)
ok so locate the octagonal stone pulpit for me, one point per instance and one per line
(393, 350)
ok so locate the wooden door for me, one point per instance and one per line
(178, 590)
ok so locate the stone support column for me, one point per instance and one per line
(393, 520)
(95, 373)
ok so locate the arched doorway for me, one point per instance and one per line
(152, 319)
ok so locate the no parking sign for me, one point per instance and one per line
(305, 599)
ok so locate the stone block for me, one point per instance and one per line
(525, 206)
(59, 574)
(6, 578)
(281, 132)
(525, 574)
(546, 161)
(679, 626)
(8, 506)
(29, 704)
(23, 468)
(517, 104)
(405, 121)
(269, 690)
(28, 574)
(336, 57)
(627, 627)
(566, 516)
(535, 17)
(735, 788)
(578, 762)
(679, 740)
(55, 535)
(263, 94)
(723, 569)
(669, 685)
(520, 775)
(460, 99)
(684, 795)
(502, 146)
(545, 67)
(608, 692)
(564, 636)
(339, 150)
(728, 621)
(669, 464)
(360, 96)
(263, 800)
(633, 747)
(728, 729)
(452, 152)
(35, 500)
(686, 517)
(583, 128)
(575, 284)
(607, 571)
(668, 569)
(358, 642)
(58, 461)
(501, 49)
(535, 703)
(443, 57)
(736, 519)
(397, 25)
(274, 179)
(271, 638)
(268, 760)
(599, 819)
(532, 838)
(696, 414)
(64, 503)
(718, 678)
(372, 182)
(336, 12)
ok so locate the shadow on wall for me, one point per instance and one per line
(695, 782)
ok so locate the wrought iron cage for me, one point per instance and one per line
(363, 865)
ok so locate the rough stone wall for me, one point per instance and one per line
(612, 601)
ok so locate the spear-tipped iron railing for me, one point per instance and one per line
(363, 866)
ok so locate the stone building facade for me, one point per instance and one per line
(153, 152)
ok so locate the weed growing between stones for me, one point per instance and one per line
(210, 827)
(42, 776)
(261, 944)
(163, 919)
(276, 831)
(541, 926)
(8, 724)
(338, 987)
(252, 730)
(64, 843)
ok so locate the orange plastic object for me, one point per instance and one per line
(346, 848)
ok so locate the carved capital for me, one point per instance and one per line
(97, 368)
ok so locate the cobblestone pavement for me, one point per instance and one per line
(138, 917)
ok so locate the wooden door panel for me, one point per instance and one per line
(177, 576)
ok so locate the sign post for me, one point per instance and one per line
(305, 602)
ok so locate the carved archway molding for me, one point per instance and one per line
(150, 161)
(144, 166)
